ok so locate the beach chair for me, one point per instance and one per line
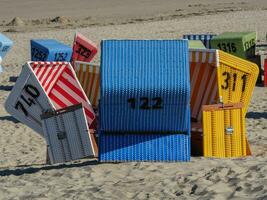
(143, 86)
(61, 85)
(260, 57)
(205, 38)
(28, 100)
(224, 131)
(50, 50)
(144, 99)
(5, 45)
(89, 77)
(240, 44)
(261, 50)
(67, 134)
(265, 73)
(215, 77)
(83, 49)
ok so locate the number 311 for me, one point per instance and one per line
(227, 80)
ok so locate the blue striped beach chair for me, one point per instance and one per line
(144, 100)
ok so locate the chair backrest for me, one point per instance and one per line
(236, 79)
(144, 85)
(83, 49)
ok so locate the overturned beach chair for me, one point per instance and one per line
(224, 131)
(61, 85)
(89, 78)
(205, 38)
(50, 50)
(144, 101)
(67, 134)
(5, 45)
(83, 49)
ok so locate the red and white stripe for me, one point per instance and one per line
(62, 86)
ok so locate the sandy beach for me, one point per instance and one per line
(23, 173)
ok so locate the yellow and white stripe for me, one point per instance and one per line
(89, 77)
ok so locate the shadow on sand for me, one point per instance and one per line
(9, 118)
(256, 115)
(6, 87)
(31, 169)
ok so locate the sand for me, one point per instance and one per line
(23, 174)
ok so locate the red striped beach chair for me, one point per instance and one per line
(63, 88)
